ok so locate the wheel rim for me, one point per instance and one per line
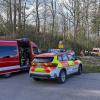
(7, 75)
(80, 69)
(63, 76)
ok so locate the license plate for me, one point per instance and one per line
(39, 67)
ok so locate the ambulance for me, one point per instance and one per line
(16, 55)
(95, 52)
(55, 65)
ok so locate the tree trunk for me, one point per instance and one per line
(19, 17)
(45, 19)
(14, 26)
(10, 13)
(24, 18)
(37, 17)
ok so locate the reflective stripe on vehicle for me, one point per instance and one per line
(9, 68)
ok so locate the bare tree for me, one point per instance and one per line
(53, 11)
(19, 17)
(37, 16)
(45, 15)
(14, 25)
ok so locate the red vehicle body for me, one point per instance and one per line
(16, 55)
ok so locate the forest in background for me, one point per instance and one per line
(46, 22)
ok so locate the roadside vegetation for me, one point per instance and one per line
(48, 21)
(91, 64)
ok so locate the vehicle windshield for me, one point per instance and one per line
(8, 51)
(95, 50)
(43, 59)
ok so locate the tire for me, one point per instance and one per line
(37, 79)
(62, 77)
(7, 75)
(79, 70)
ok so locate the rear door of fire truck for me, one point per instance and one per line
(9, 57)
(24, 53)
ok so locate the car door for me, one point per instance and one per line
(65, 60)
(72, 66)
(9, 59)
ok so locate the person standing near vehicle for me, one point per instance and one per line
(61, 45)
(82, 53)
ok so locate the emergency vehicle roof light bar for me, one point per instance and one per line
(56, 50)
(23, 39)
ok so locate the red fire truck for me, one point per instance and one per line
(16, 55)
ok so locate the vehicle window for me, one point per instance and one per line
(43, 59)
(95, 50)
(8, 51)
(60, 58)
(35, 51)
(65, 58)
(71, 57)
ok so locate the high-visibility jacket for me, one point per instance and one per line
(61, 46)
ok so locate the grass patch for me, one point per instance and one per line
(91, 68)
(91, 65)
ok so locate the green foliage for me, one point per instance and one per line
(96, 22)
(90, 65)
(49, 40)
